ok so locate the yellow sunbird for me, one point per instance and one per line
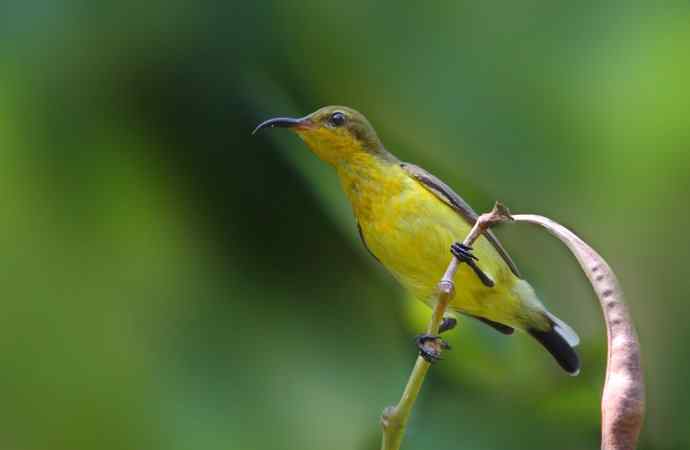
(408, 220)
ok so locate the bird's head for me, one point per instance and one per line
(333, 133)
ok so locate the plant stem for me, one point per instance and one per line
(394, 418)
(623, 399)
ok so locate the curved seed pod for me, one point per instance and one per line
(623, 399)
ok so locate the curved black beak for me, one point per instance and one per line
(282, 122)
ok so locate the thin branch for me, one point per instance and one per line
(623, 398)
(394, 418)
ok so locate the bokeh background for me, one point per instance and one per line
(171, 282)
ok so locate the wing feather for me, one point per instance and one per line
(447, 195)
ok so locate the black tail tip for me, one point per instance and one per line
(559, 348)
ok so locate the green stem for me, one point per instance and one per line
(394, 418)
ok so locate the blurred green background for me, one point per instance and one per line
(171, 282)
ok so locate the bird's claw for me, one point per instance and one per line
(448, 324)
(430, 347)
(464, 254)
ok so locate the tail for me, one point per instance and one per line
(560, 341)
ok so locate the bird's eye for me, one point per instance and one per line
(337, 119)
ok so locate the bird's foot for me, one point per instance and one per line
(448, 324)
(430, 347)
(464, 254)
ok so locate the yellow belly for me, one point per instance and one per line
(411, 231)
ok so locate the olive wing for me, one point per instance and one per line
(448, 196)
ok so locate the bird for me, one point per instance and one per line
(409, 220)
